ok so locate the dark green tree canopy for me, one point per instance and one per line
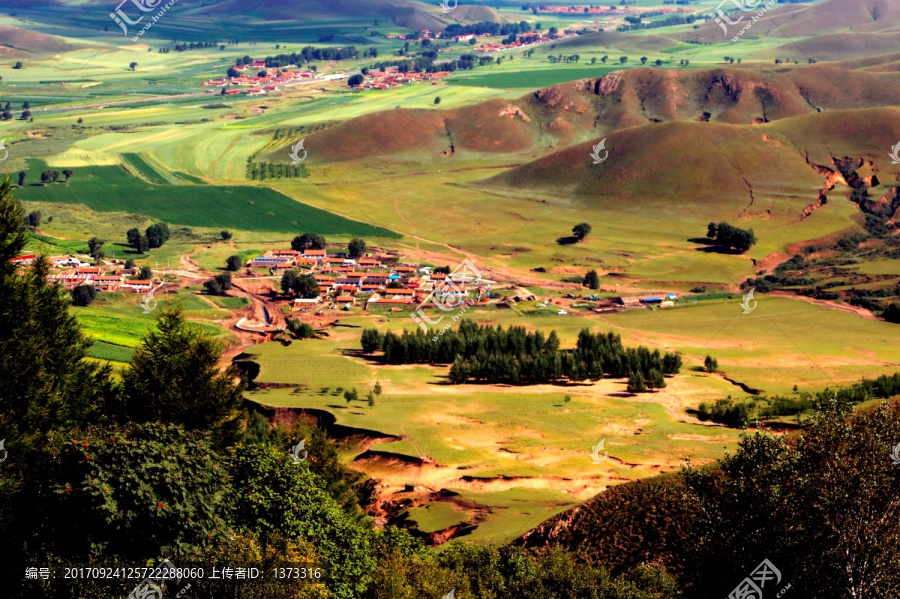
(174, 377)
(581, 230)
(308, 241)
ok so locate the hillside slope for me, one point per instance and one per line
(799, 20)
(588, 109)
(407, 13)
(775, 166)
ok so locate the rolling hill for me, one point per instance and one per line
(589, 109)
(16, 42)
(407, 13)
(816, 19)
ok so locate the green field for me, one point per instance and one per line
(145, 170)
(112, 189)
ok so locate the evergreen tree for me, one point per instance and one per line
(175, 377)
(636, 383)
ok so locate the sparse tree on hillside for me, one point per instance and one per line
(623, 59)
(643, 60)
(233, 263)
(711, 364)
(95, 247)
(226, 235)
(158, 234)
(592, 279)
(22, 175)
(68, 173)
(18, 65)
(33, 219)
(437, 100)
(581, 231)
(133, 66)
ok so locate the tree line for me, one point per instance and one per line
(306, 55)
(485, 28)
(482, 353)
(741, 413)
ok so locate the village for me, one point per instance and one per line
(375, 281)
(71, 272)
(256, 79)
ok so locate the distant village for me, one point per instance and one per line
(71, 272)
(379, 277)
(256, 79)
(375, 279)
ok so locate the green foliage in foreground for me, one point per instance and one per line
(740, 413)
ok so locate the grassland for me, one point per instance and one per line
(523, 450)
(111, 189)
(511, 456)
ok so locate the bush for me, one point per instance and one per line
(83, 295)
(234, 263)
(301, 330)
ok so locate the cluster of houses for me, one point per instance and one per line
(250, 81)
(640, 301)
(391, 78)
(525, 40)
(379, 278)
(581, 9)
(70, 272)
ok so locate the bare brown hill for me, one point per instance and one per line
(407, 13)
(799, 20)
(775, 169)
(16, 42)
(578, 111)
(838, 46)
